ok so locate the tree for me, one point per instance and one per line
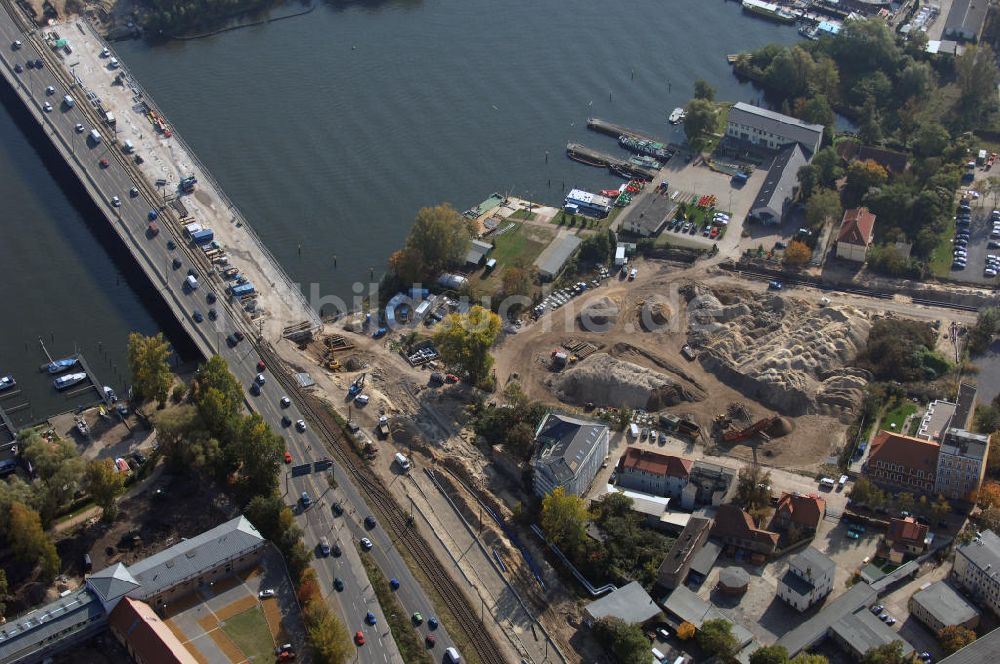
(955, 637)
(464, 342)
(865, 493)
(987, 325)
(702, 90)
(596, 248)
(685, 631)
(862, 176)
(809, 658)
(977, 76)
(258, 450)
(915, 80)
(624, 642)
(327, 639)
(564, 519)
(4, 591)
(753, 488)
(823, 207)
(989, 494)
(931, 140)
(790, 72)
(887, 653)
(29, 543)
(797, 253)
(716, 638)
(517, 280)
(940, 508)
(218, 395)
(828, 168)
(104, 484)
(699, 122)
(770, 655)
(817, 110)
(439, 237)
(58, 469)
(147, 362)
(808, 179)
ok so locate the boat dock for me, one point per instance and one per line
(7, 431)
(616, 130)
(592, 157)
(95, 383)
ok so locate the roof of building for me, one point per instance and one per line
(881, 583)
(150, 640)
(112, 582)
(959, 442)
(734, 577)
(983, 551)
(808, 135)
(477, 250)
(906, 451)
(564, 442)
(191, 557)
(780, 181)
(685, 545)
(864, 631)
(857, 227)
(654, 463)
(965, 406)
(812, 558)
(966, 19)
(644, 503)
(731, 521)
(983, 649)
(943, 603)
(554, 256)
(800, 585)
(806, 511)
(31, 631)
(935, 420)
(814, 630)
(704, 560)
(891, 160)
(907, 531)
(630, 603)
(690, 608)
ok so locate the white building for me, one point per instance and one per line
(772, 130)
(977, 569)
(808, 580)
(651, 472)
(569, 452)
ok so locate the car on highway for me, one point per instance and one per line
(338, 584)
(261, 379)
(47, 107)
(231, 341)
(335, 550)
(306, 500)
(115, 201)
(324, 548)
(366, 544)
(50, 90)
(212, 313)
(103, 163)
(370, 618)
(171, 245)
(16, 45)
(239, 335)
(264, 594)
(288, 457)
(18, 68)
(337, 508)
(177, 263)
(79, 128)
(38, 63)
(197, 316)
(285, 402)
(432, 622)
(300, 425)
(394, 583)
(417, 618)
(359, 639)
(452, 656)
(429, 640)
(286, 421)
(369, 522)
(133, 192)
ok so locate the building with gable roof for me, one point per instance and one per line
(906, 537)
(651, 472)
(772, 130)
(145, 636)
(902, 463)
(569, 452)
(857, 230)
(798, 511)
(737, 532)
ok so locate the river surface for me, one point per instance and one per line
(331, 129)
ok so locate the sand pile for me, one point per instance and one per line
(605, 380)
(793, 357)
(654, 313)
(599, 316)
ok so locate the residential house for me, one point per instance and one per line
(961, 464)
(857, 230)
(799, 512)
(569, 452)
(977, 569)
(736, 530)
(651, 472)
(708, 484)
(939, 606)
(902, 463)
(808, 580)
(906, 537)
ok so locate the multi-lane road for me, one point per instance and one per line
(105, 172)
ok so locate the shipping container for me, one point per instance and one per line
(204, 236)
(240, 290)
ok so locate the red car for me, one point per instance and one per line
(288, 457)
(103, 163)
(359, 639)
(450, 378)
(714, 233)
(286, 655)
(260, 365)
(429, 640)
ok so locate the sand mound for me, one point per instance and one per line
(599, 316)
(605, 380)
(354, 363)
(654, 313)
(781, 427)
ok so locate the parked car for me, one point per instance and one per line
(264, 594)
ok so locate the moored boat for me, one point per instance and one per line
(677, 115)
(768, 10)
(62, 382)
(58, 366)
(7, 382)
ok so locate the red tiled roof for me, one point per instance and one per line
(654, 463)
(906, 451)
(907, 531)
(804, 510)
(731, 521)
(857, 227)
(148, 637)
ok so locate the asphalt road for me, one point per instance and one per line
(357, 597)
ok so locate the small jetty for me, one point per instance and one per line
(616, 130)
(591, 157)
(7, 431)
(95, 383)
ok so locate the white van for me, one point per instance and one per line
(658, 655)
(95, 136)
(633, 430)
(128, 147)
(453, 656)
(827, 482)
(69, 101)
(191, 283)
(403, 462)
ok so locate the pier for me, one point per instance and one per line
(616, 130)
(592, 157)
(95, 382)
(7, 431)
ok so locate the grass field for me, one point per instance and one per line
(898, 415)
(942, 256)
(250, 632)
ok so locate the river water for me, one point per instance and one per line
(330, 130)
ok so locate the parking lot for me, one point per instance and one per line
(979, 228)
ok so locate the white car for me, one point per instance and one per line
(300, 425)
(105, 53)
(16, 45)
(50, 91)
(361, 399)
(366, 544)
(79, 128)
(264, 594)
(47, 107)
(261, 379)
(115, 201)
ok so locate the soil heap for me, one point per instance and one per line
(604, 380)
(599, 316)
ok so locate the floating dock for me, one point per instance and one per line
(592, 157)
(616, 130)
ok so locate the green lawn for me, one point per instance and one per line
(942, 256)
(250, 633)
(521, 242)
(898, 415)
(523, 214)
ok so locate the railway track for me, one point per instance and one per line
(394, 518)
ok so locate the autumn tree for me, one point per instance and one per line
(258, 450)
(797, 253)
(326, 637)
(464, 342)
(699, 123)
(564, 519)
(989, 494)
(439, 237)
(219, 396)
(517, 280)
(716, 638)
(955, 637)
(104, 484)
(623, 641)
(147, 362)
(887, 653)
(28, 541)
(862, 176)
(685, 631)
(58, 469)
(4, 591)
